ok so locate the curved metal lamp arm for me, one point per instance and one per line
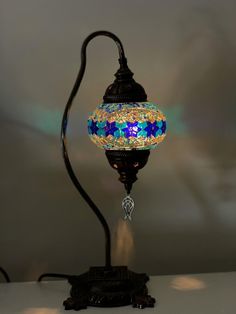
(64, 124)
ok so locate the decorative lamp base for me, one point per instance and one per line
(113, 287)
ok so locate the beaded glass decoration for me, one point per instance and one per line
(127, 126)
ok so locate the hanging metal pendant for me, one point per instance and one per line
(128, 206)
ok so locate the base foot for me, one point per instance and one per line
(113, 287)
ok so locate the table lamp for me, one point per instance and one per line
(127, 127)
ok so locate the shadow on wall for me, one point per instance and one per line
(205, 84)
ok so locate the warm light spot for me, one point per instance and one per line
(35, 269)
(41, 310)
(123, 243)
(185, 283)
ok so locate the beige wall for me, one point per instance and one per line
(183, 53)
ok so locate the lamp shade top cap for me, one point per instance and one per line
(124, 88)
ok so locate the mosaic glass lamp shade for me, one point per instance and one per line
(127, 126)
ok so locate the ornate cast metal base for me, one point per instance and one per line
(102, 287)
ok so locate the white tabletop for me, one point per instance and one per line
(183, 294)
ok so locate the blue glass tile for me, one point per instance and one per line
(142, 125)
(101, 124)
(110, 128)
(89, 130)
(159, 124)
(151, 129)
(93, 127)
(101, 132)
(159, 132)
(142, 133)
(117, 134)
(121, 125)
(132, 129)
(164, 126)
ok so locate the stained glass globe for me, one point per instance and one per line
(127, 126)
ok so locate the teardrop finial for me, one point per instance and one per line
(128, 206)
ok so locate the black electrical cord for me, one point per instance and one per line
(54, 275)
(5, 274)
